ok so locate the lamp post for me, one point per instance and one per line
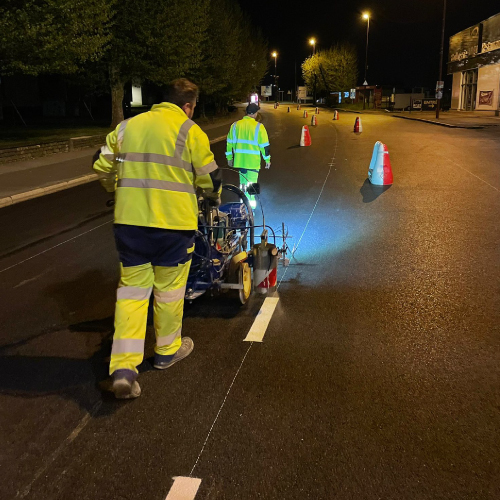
(312, 41)
(366, 16)
(438, 104)
(275, 55)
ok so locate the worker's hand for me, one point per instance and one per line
(230, 163)
(214, 202)
(268, 164)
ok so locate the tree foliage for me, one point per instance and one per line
(52, 36)
(117, 42)
(332, 70)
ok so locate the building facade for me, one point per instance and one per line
(474, 62)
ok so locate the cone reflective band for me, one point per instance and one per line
(380, 171)
(357, 125)
(305, 138)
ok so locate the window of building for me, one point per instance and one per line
(469, 89)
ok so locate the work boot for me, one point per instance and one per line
(166, 361)
(125, 385)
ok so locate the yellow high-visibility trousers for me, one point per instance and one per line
(134, 291)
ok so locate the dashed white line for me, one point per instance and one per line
(261, 322)
(184, 488)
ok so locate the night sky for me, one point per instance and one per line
(404, 38)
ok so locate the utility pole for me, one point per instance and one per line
(438, 104)
(275, 55)
(366, 16)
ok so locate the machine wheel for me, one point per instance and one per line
(244, 278)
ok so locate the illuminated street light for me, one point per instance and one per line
(366, 17)
(275, 55)
(312, 41)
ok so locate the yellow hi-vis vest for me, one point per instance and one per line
(155, 161)
(246, 141)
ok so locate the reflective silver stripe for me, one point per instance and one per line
(180, 143)
(108, 154)
(156, 158)
(156, 184)
(256, 137)
(206, 169)
(121, 132)
(133, 293)
(123, 346)
(168, 339)
(170, 295)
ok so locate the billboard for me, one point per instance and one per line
(464, 44)
(302, 93)
(491, 34)
(266, 90)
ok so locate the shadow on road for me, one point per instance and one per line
(370, 193)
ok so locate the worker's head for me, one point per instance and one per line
(184, 94)
(252, 109)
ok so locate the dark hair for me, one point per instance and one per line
(181, 91)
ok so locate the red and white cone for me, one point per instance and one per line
(335, 115)
(317, 111)
(314, 121)
(358, 127)
(380, 171)
(305, 114)
(305, 138)
(298, 107)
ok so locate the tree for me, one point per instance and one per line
(154, 40)
(52, 36)
(332, 70)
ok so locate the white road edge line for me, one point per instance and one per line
(55, 246)
(74, 434)
(184, 488)
(261, 322)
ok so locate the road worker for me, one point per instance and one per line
(155, 162)
(247, 140)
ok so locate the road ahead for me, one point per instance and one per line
(377, 377)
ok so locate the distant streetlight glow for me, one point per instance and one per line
(366, 17)
(312, 41)
(275, 55)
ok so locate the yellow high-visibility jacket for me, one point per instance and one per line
(246, 142)
(155, 161)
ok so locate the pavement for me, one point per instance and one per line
(24, 180)
(377, 376)
(453, 119)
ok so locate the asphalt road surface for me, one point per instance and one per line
(378, 376)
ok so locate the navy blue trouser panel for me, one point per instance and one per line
(139, 245)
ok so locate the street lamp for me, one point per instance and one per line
(312, 41)
(439, 91)
(366, 17)
(275, 55)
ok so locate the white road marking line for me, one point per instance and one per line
(79, 428)
(184, 488)
(261, 322)
(469, 172)
(220, 409)
(55, 246)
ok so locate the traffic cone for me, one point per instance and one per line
(305, 114)
(275, 105)
(288, 111)
(317, 111)
(305, 137)
(335, 115)
(358, 128)
(314, 122)
(380, 170)
(298, 107)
